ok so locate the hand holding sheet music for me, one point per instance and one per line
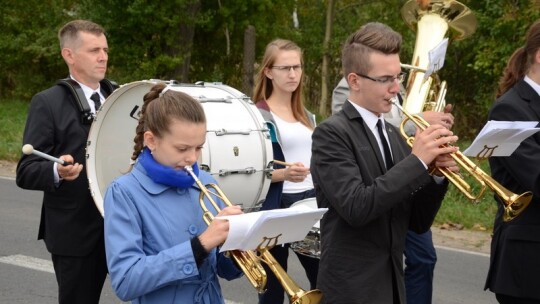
(500, 138)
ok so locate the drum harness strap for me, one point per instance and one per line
(107, 87)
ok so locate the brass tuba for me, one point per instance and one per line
(432, 22)
(248, 261)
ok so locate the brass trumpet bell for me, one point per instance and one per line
(514, 203)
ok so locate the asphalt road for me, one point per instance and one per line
(26, 274)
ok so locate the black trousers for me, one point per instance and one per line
(80, 279)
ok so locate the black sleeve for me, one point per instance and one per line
(199, 252)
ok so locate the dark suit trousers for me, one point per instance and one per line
(80, 279)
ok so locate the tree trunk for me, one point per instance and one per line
(249, 60)
(323, 105)
(184, 43)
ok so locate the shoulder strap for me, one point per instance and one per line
(107, 87)
(76, 91)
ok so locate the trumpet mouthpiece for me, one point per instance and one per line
(27, 149)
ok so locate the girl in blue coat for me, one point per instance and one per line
(159, 249)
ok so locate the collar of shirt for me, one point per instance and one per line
(533, 84)
(88, 91)
(146, 182)
(370, 119)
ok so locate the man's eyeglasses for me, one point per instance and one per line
(385, 79)
(287, 68)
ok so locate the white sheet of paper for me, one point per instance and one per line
(436, 58)
(505, 136)
(247, 231)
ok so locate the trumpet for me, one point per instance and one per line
(514, 203)
(248, 261)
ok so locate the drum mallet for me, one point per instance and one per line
(29, 149)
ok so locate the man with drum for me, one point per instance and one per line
(58, 124)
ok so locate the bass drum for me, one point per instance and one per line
(237, 152)
(311, 245)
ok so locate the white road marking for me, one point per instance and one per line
(44, 265)
(28, 262)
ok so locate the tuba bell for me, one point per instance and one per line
(432, 22)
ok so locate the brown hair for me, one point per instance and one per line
(520, 62)
(371, 37)
(159, 110)
(264, 87)
(69, 33)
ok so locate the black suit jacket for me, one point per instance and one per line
(515, 247)
(70, 222)
(370, 209)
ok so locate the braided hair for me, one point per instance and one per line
(160, 109)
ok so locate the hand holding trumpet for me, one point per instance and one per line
(218, 229)
(432, 142)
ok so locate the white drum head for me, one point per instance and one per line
(237, 152)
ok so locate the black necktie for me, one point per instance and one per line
(387, 155)
(97, 102)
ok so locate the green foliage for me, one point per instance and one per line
(192, 40)
(30, 58)
(12, 122)
(349, 16)
(219, 43)
(474, 66)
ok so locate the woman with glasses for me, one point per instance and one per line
(278, 95)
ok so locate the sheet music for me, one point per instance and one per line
(247, 231)
(501, 138)
(436, 58)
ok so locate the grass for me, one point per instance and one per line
(12, 120)
(456, 208)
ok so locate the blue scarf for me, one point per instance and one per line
(166, 175)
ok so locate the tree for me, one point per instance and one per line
(323, 106)
(29, 46)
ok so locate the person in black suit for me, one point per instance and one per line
(71, 224)
(375, 186)
(515, 245)
(420, 254)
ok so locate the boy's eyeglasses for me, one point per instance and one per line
(386, 79)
